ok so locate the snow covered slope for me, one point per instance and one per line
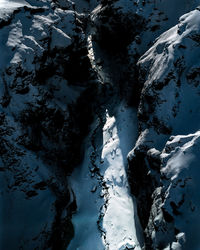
(73, 76)
(180, 178)
(106, 210)
(170, 69)
(169, 105)
(42, 102)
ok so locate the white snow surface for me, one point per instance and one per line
(160, 15)
(172, 80)
(180, 165)
(174, 59)
(119, 221)
(6, 4)
(109, 190)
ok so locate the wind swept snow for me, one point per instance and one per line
(106, 215)
(11, 4)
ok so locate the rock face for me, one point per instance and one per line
(65, 65)
(45, 81)
(168, 106)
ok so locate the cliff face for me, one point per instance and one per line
(168, 106)
(83, 84)
(46, 106)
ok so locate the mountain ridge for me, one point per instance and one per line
(122, 76)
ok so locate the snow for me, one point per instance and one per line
(106, 216)
(27, 213)
(177, 101)
(6, 4)
(60, 40)
(87, 235)
(105, 196)
(171, 66)
(157, 13)
(180, 159)
(119, 222)
(21, 218)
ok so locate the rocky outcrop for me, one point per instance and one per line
(63, 63)
(168, 105)
(47, 87)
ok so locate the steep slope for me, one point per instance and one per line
(105, 208)
(180, 179)
(125, 30)
(73, 77)
(169, 106)
(42, 110)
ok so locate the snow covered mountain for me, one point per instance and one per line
(169, 106)
(99, 124)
